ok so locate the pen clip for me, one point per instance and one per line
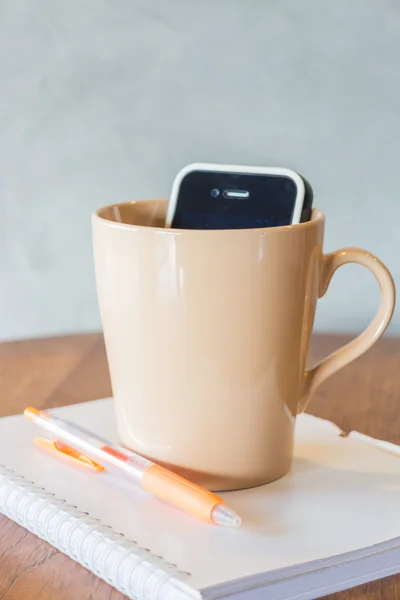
(72, 455)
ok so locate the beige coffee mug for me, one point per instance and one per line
(207, 334)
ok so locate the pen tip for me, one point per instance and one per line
(31, 413)
(223, 515)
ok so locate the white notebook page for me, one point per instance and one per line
(341, 496)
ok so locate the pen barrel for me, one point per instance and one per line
(179, 492)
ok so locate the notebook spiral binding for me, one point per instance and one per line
(122, 563)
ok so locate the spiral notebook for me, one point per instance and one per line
(332, 523)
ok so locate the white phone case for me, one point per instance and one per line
(235, 169)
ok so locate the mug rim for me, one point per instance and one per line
(317, 217)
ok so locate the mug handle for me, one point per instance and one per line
(340, 358)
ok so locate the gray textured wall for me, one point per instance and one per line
(104, 101)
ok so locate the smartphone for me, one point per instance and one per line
(214, 196)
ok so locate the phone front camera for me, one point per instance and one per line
(214, 193)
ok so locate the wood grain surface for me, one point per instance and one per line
(54, 372)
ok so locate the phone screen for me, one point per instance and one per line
(205, 201)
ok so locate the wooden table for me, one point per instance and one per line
(54, 372)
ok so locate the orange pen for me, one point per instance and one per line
(152, 477)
